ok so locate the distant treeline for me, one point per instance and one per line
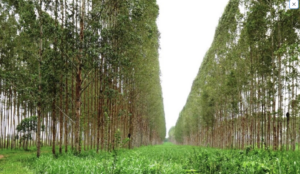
(246, 92)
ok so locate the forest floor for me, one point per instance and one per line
(167, 158)
(1, 156)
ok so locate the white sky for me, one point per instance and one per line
(187, 29)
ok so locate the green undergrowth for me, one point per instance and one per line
(167, 158)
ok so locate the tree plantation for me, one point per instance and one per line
(81, 88)
(246, 92)
(80, 67)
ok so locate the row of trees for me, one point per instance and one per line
(87, 69)
(171, 134)
(246, 92)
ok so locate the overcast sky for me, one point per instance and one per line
(187, 29)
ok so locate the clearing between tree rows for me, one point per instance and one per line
(167, 158)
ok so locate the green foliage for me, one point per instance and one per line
(167, 158)
(28, 125)
(250, 68)
(47, 47)
(26, 128)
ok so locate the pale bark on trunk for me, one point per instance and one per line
(53, 123)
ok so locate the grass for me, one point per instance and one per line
(17, 161)
(167, 158)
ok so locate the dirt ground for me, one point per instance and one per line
(1, 156)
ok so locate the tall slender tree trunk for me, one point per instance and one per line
(79, 81)
(61, 123)
(280, 89)
(53, 123)
(39, 104)
(66, 120)
(61, 117)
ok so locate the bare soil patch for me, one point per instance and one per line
(1, 156)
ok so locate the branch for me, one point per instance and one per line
(72, 63)
(86, 76)
(64, 113)
(84, 88)
(88, 84)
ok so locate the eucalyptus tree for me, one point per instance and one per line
(245, 89)
(171, 134)
(93, 62)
